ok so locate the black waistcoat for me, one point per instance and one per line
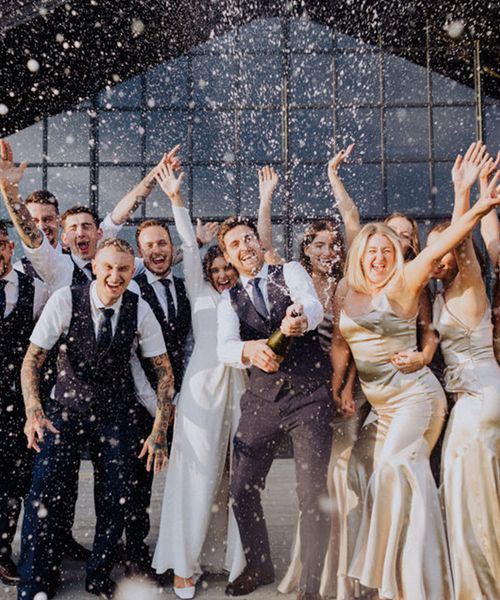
(15, 331)
(305, 367)
(87, 381)
(29, 269)
(174, 331)
(79, 276)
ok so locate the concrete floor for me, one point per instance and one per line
(280, 506)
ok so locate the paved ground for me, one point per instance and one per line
(280, 505)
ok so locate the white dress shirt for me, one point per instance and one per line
(19, 266)
(301, 288)
(159, 289)
(12, 294)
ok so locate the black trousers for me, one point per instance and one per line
(55, 471)
(16, 463)
(308, 420)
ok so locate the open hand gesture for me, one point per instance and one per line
(169, 182)
(8, 171)
(268, 180)
(487, 170)
(206, 232)
(466, 170)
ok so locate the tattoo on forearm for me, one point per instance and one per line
(22, 219)
(165, 390)
(30, 379)
(138, 201)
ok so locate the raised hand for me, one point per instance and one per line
(9, 173)
(490, 197)
(487, 170)
(206, 232)
(338, 160)
(466, 169)
(169, 182)
(268, 180)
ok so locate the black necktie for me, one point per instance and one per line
(88, 268)
(105, 333)
(170, 300)
(3, 301)
(258, 298)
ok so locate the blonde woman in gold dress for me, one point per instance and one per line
(401, 547)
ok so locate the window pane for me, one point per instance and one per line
(214, 192)
(27, 144)
(123, 95)
(406, 133)
(261, 35)
(453, 130)
(260, 135)
(364, 184)
(260, 80)
(114, 183)
(32, 180)
(250, 191)
(309, 36)
(120, 137)
(358, 78)
(408, 189)
(311, 79)
(164, 129)
(221, 44)
(213, 81)
(213, 136)
(68, 137)
(443, 188)
(492, 127)
(167, 85)
(362, 126)
(445, 89)
(311, 194)
(311, 134)
(404, 80)
(70, 185)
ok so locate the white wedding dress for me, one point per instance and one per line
(196, 528)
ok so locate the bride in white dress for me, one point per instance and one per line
(194, 519)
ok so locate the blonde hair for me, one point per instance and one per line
(354, 268)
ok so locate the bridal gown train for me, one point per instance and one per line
(470, 463)
(401, 545)
(194, 516)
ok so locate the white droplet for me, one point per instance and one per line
(454, 29)
(33, 65)
(3, 109)
(42, 512)
(137, 27)
(70, 139)
(40, 596)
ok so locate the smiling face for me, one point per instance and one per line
(378, 259)
(113, 269)
(155, 247)
(81, 235)
(244, 250)
(446, 267)
(222, 275)
(323, 252)
(45, 218)
(404, 229)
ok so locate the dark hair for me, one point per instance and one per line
(415, 245)
(310, 232)
(3, 228)
(442, 225)
(117, 243)
(150, 223)
(80, 210)
(43, 197)
(232, 222)
(210, 255)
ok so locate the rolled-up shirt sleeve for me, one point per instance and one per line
(150, 338)
(54, 320)
(302, 292)
(55, 268)
(229, 343)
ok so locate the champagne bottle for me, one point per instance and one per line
(280, 343)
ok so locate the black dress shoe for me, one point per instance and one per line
(249, 581)
(75, 551)
(140, 570)
(103, 589)
(8, 571)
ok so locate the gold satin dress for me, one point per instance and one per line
(401, 545)
(470, 461)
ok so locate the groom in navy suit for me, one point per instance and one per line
(289, 396)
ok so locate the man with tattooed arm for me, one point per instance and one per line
(98, 326)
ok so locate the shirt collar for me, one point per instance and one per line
(262, 274)
(152, 277)
(97, 302)
(11, 277)
(79, 262)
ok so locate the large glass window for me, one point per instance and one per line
(278, 91)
